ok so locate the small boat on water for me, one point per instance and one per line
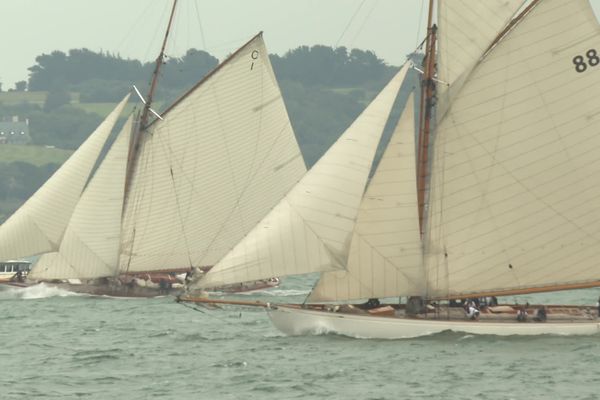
(14, 272)
(175, 190)
(498, 195)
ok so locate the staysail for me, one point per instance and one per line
(515, 202)
(90, 246)
(38, 226)
(311, 228)
(386, 256)
(224, 154)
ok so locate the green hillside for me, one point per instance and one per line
(36, 155)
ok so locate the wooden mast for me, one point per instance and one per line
(142, 123)
(426, 108)
(159, 62)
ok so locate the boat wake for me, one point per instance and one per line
(39, 291)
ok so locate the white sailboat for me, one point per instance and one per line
(173, 193)
(499, 197)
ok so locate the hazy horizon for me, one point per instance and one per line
(134, 29)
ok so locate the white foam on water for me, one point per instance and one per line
(39, 291)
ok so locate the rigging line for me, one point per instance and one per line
(202, 37)
(363, 23)
(417, 45)
(350, 22)
(179, 214)
(169, 150)
(155, 33)
(133, 27)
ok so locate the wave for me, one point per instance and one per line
(39, 291)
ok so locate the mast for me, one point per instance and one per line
(159, 63)
(425, 113)
(142, 122)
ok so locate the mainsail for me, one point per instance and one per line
(38, 226)
(224, 154)
(90, 246)
(311, 228)
(386, 256)
(466, 30)
(514, 196)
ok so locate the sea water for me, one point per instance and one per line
(60, 345)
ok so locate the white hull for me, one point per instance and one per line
(294, 321)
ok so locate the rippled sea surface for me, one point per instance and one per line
(60, 345)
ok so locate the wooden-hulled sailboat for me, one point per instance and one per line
(500, 196)
(173, 193)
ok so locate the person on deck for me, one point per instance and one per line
(522, 314)
(471, 310)
(540, 315)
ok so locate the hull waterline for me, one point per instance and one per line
(296, 321)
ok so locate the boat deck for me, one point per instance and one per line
(500, 313)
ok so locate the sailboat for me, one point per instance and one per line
(498, 196)
(175, 191)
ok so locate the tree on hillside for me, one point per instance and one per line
(21, 86)
(78, 66)
(334, 67)
(56, 98)
(48, 65)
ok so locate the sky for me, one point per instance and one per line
(134, 28)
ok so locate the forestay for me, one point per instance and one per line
(515, 200)
(311, 228)
(38, 226)
(386, 254)
(223, 156)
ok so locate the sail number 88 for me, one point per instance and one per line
(591, 59)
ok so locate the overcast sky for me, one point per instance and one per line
(134, 28)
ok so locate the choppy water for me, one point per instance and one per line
(59, 345)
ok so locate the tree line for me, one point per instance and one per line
(324, 89)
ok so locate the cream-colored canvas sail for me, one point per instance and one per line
(311, 228)
(222, 157)
(38, 226)
(90, 246)
(515, 200)
(465, 31)
(386, 256)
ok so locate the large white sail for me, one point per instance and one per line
(515, 200)
(222, 157)
(90, 246)
(38, 226)
(311, 228)
(465, 31)
(386, 256)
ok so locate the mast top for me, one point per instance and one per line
(159, 62)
